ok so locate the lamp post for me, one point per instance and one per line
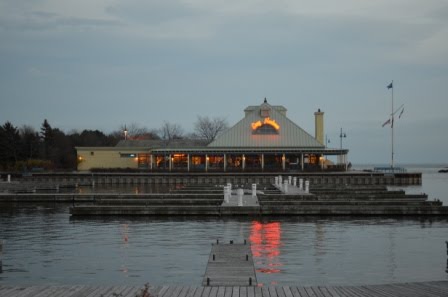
(125, 133)
(342, 135)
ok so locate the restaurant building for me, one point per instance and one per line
(265, 140)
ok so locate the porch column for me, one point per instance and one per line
(170, 163)
(206, 162)
(151, 160)
(323, 160)
(244, 161)
(283, 162)
(301, 161)
(225, 162)
(262, 161)
(188, 162)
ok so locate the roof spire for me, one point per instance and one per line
(265, 100)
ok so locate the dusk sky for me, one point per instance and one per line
(99, 64)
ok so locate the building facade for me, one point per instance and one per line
(265, 140)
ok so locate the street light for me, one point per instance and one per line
(342, 135)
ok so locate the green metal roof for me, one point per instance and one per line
(289, 134)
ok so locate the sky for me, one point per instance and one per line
(100, 64)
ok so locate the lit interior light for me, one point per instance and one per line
(266, 121)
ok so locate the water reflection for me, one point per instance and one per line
(266, 241)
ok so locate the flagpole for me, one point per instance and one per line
(392, 126)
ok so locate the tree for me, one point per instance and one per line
(170, 131)
(135, 132)
(29, 143)
(46, 134)
(208, 129)
(9, 144)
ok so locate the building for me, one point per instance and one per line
(265, 140)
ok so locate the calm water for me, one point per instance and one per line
(43, 245)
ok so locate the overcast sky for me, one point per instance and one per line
(86, 64)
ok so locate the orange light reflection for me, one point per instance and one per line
(265, 241)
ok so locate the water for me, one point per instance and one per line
(43, 245)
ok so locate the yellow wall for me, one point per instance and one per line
(319, 126)
(105, 158)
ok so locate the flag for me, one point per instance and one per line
(391, 85)
(386, 123)
(401, 113)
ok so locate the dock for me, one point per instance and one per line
(230, 265)
(414, 289)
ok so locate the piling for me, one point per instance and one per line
(294, 181)
(240, 193)
(1, 253)
(301, 183)
(254, 190)
(307, 186)
(290, 180)
(9, 178)
(285, 187)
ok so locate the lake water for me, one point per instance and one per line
(43, 245)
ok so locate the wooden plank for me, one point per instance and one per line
(378, 290)
(280, 292)
(302, 292)
(163, 291)
(7, 291)
(310, 292)
(258, 292)
(235, 291)
(287, 291)
(184, 291)
(214, 292)
(428, 287)
(20, 291)
(343, 292)
(413, 289)
(169, 291)
(358, 291)
(206, 292)
(221, 292)
(198, 292)
(324, 292)
(333, 292)
(295, 292)
(272, 291)
(230, 265)
(265, 292)
(131, 292)
(250, 291)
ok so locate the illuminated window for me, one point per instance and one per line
(128, 155)
(265, 130)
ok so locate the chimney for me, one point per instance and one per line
(319, 126)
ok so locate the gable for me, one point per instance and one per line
(258, 129)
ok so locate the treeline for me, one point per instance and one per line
(25, 149)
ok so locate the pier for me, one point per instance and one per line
(230, 265)
(414, 289)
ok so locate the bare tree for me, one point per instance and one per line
(135, 132)
(170, 131)
(208, 129)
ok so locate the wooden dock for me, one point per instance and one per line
(230, 265)
(415, 289)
